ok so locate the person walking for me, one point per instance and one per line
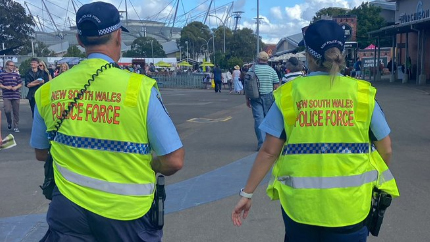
(268, 81)
(357, 68)
(229, 77)
(238, 87)
(105, 172)
(34, 78)
(320, 136)
(10, 83)
(217, 74)
(295, 69)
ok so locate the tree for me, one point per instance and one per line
(16, 27)
(141, 47)
(331, 12)
(74, 51)
(41, 49)
(368, 19)
(195, 35)
(235, 61)
(243, 45)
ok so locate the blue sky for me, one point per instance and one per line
(280, 18)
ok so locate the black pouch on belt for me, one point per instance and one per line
(49, 182)
(157, 210)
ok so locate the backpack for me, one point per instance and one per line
(251, 84)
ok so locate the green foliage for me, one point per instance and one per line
(331, 11)
(197, 35)
(24, 67)
(243, 44)
(16, 27)
(74, 51)
(368, 19)
(141, 47)
(40, 49)
(235, 61)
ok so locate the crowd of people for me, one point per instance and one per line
(11, 82)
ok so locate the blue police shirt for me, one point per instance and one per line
(162, 134)
(273, 123)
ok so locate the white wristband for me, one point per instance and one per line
(244, 194)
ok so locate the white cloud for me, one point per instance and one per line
(276, 12)
(294, 13)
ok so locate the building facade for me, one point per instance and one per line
(411, 39)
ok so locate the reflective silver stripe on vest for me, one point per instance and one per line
(386, 176)
(110, 187)
(329, 182)
(326, 148)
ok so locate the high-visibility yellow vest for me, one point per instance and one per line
(101, 153)
(328, 168)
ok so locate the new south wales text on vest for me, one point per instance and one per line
(99, 106)
(325, 112)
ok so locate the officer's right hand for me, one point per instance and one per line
(243, 205)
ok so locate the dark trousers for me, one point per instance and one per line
(297, 232)
(32, 104)
(70, 222)
(11, 106)
(218, 85)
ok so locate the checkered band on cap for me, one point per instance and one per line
(110, 29)
(314, 53)
(104, 145)
(326, 148)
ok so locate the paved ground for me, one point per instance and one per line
(217, 132)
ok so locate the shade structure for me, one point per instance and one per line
(207, 64)
(184, 63)
(163, 64)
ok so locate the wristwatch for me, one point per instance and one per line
(244, 194)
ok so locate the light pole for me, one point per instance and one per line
(223, 25)
(186, 42)
(152, 50)
(207, 45)
(258, 27)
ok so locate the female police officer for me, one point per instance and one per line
(320, 133)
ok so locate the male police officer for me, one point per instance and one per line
(103, 167)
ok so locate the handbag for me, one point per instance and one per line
(49, 181)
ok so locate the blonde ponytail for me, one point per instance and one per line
(334, 62)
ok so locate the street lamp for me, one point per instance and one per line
(207, 44)
(223, 24)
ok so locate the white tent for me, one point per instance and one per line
(284, 57)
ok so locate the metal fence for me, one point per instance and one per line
(184, 81)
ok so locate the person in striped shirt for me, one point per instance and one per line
(10, 83)
(268, 82)
(295, 69)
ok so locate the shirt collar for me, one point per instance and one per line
(100, 56)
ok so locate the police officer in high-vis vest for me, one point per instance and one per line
(104, 170)
(329, 143)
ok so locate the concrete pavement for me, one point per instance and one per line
(220, 145)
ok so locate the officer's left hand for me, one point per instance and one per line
(243, 205)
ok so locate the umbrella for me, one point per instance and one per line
(184, 63)
(207, 64)
(163, 64)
